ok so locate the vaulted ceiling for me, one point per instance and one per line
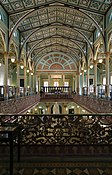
(65, 26)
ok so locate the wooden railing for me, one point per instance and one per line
(96, 105)
(19, 105)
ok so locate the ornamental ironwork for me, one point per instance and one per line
(89, 129)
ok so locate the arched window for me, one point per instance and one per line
(1, 16)
(97, 33)
(110, 17)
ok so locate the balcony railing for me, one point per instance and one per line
(15, 92)
(56, 92)
(88, 129)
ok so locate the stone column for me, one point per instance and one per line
(95, 78)
(107, 91)
(63, 79)
(34, 83)
(39, 83)
(49, 79)
(64, 106)
(78, 110)
(37, 88)
(48, 108)
(6, 77)
(73, 85)
(82, 82)
(25, 81)
(78, 82)
(18, 79)
(88, 90)
(30, 84)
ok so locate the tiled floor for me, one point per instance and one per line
(58, 161)
(58, 168)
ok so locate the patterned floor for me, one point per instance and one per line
(80, 160)
(58, 168)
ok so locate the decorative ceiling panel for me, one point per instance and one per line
(57, 26)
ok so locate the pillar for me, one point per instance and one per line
(107, 91)
(37, 88)
(48, 108)
(78, 82)
(64, 105)
(18, 79)
(95, 78)
(30, 84)
(6, 77)
(39, 83)
(49, 79)
(25, 81)
(88, 90)
(73, 86)
(83, 82)
(63, 79)
(33, 81)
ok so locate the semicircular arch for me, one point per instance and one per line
(56, 61)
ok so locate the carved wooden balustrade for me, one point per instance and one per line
(20, 105)
(92, 129)
(97, 105)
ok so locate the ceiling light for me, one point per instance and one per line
(100, 60)
(22, 66)
(12, 59)
(91, 66)
(27, 70)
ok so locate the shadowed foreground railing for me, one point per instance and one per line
(62, 129)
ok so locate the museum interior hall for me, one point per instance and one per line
(55, 87)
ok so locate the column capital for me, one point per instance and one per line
(95, 62)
